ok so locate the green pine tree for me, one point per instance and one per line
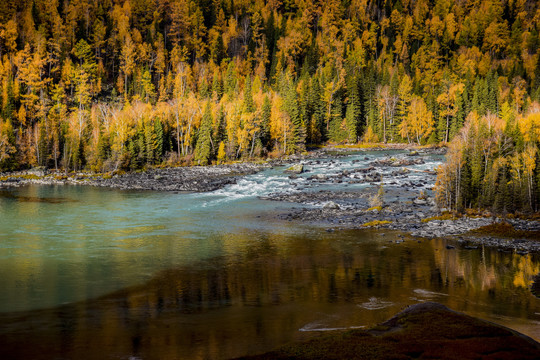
(217, 87)
(248, 104)
(203, 150)
(298, 142)
(266, 113)
(230, 80)
(158, 144)
(353, 113)
(150, 143)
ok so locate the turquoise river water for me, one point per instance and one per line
(89, 272)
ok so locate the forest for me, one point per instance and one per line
(493, 163)
(109, 85)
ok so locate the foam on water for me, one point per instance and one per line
(276, 181)
(321, 326)
(258, 185)
(375, 304)
(307, 329)
(428, 294)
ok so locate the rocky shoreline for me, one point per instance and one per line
(409, 206)
(189, 178)
(193, 179)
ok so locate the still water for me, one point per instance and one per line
(93, 273)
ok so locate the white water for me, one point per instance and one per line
(276, 181)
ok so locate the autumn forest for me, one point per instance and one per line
(109, 85)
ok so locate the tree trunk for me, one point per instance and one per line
(177, 135)
(447, 126)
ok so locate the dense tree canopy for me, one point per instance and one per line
(120, 84)
(493, 163)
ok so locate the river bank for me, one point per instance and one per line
(186, 178)
(195, 178)
(407, 204)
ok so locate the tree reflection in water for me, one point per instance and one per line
(258, 299)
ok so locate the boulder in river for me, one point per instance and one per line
(331, 206)
(295, 169)
(426, 330)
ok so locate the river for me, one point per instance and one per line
(89, 272)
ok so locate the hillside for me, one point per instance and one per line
(117, 85)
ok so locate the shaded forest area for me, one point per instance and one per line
(113, 85)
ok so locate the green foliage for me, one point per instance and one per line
(158, 143)
(248, 105)
(493, 163)
(265, 122)
(217, 88)
(203, 151)
(297, 143)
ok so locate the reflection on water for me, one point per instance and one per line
(276, 289)
(94, 273)
(50, 200)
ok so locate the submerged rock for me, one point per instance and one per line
(426, 330)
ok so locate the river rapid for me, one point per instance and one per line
(94, 272)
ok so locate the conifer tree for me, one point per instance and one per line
(353, 110)
(297, 142)
(266, 114)
(203, 150)
(248, 104)
(217, 88)
(149, 142)
(158, 146)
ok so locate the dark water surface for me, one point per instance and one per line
(94, 273)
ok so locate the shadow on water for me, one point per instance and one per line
(37, 199)
(270, 294)
(535, 287)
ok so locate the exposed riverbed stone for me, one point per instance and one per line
(410, 209)
(295, 169)
(331, 206)
(196, 178)
(397, 162)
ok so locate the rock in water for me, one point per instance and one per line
(295, 169)
(426, 331)
(331, 206)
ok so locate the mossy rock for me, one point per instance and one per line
(376, 223)
(295, 169)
